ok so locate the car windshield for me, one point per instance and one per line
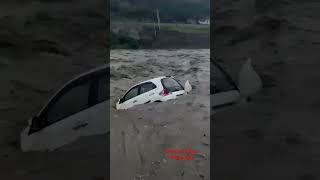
(132, 93)
(171, 84)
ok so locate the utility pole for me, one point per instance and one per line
(155, 30)
(158, 17)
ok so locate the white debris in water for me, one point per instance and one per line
(187, 86)
(249, 80)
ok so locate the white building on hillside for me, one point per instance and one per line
(204, 21)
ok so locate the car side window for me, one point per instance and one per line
(102, 89)
(220, 83)
(147, 87)
(132, 93)
(71, 102)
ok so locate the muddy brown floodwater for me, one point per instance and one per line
(140, 136)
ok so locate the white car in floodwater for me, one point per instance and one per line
(78, 109)
(153, 90)
(225, 91)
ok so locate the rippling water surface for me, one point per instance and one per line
(179, 56)
(133, 66)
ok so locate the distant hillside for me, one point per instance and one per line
(170, 10)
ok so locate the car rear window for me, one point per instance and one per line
(171, 84)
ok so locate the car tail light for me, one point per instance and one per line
(165, 92)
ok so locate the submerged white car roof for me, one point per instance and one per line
(100, 68)
(104, 67)
(153, 80)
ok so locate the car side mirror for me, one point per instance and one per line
(249, 82)
(33, 120)
(36, 123)
(30, 121)
(120, 100)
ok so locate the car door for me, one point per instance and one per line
(147, 93)
(223, 88)
(64, 119)
(98, 116)
(131, 98)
